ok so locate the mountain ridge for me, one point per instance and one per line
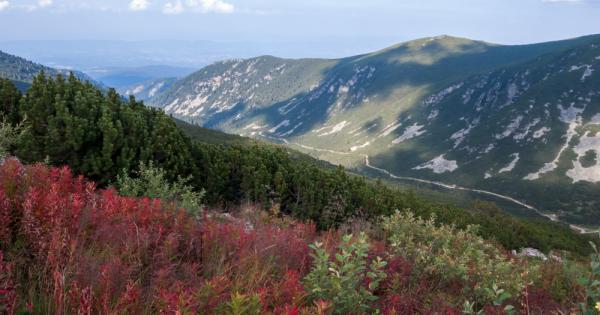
(448, 109)
(22, 71)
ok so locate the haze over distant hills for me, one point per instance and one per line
(88, 55)
(142, 82)
(22, 71)
(516, 120)
(133, 66)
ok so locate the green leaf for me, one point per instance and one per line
(583, 281)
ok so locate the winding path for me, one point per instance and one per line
(552, 217)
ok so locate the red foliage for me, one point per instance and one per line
(96, 252)
(287, 292)
(80, 250)
(80, 299)
(538, 301)
(8, 295)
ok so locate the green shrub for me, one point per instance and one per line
(341, 281)
(9, 136)
(448, 254)
(241, 305)
(152, 182)
(591, 304)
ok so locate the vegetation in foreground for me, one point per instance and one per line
(70, 248)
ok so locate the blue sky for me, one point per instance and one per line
(353, 22)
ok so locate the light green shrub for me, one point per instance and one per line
(450, 254)
(9, 135)
(151, 182)
(241, 305)
(592, 285)
(340, 280)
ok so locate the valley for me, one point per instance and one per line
(515, 121)
(449, 187)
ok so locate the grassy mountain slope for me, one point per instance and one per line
(147, 89)
(524, 130)
(444, 109)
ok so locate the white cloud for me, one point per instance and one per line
(169, 7)
(139, 5)
(173, 8)
(3, 4)
(206, 6)
(44, 3)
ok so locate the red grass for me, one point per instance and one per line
(67, 247)
(8, 295)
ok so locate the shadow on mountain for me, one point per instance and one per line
(428, 64)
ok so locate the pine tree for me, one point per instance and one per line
(9, 101)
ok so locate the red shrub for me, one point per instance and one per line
(538, 301)
(85, 245)
(6, 220)
(178, 300)
(10, 177)
(8, 295)
(288, 292)
(287, 310)
(80, 250)
(80, 300)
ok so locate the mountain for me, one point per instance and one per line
(146, 90)
(518, 121)
(123, 78)
(21, 71)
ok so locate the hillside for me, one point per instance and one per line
(21, 71)
(513, 120)
(145, 90)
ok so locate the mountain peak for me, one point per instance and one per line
(430, 50)
(436, 43)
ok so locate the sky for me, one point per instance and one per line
(359, 24)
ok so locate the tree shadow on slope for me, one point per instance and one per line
(433, 66)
